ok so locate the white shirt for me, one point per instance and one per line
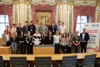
(62, 28)
(83, 35)
(7, 36)
(13, 30)
(56, 38)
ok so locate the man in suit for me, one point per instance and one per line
(84, 39)
(31, 28)
(43, 28)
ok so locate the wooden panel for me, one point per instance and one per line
(1, 42)
(43, 50)
(5, 50)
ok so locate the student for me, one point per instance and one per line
(64, 41)
(58, 26)
(8, 30)
(25, 28)
(19, 29)
(69, 45)
(44, 39)
(13, 29)
(31, 28)
(53, 29)
(57, 42)
(6, 38)
(50, 38)
(29, 42)
(76, 41)
(43, 28)
(37, 26)
(22, 43)
(62, 28)
(37, 38)
(14, 41)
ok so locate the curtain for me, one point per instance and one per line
(83, 10)
(8, 10)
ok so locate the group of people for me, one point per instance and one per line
(46, 34)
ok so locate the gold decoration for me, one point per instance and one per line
(2, 2)
(43, 2)
(85, 3)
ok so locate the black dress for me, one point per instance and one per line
(50, 39)
(18, 30)
(53, 29)
(44, 40)
(22, 45)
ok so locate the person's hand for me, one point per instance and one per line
(4, 44)
(30, 43)
(84, 41)
(42, 44)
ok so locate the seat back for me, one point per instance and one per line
(18, 61)
(43, 62)
(69, 61)
(1, 62)
(89, 60)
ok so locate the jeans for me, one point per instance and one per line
(57, 48)
(14, 47)
(76, 49)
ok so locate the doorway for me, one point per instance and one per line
(43, 16)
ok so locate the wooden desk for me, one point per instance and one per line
(5, 50)
(6, 57)
(43, 49)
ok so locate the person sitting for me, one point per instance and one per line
(44, 39)
(50, 38)
(37, 38)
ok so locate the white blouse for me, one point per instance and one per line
(56, 38)
(7, 36)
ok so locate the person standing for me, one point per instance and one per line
(13, 29)
(76, 41)
(62, 28)
(44, 39)
(6, 38)
(69, 44)
(53, 29)
(14, 40)
(50, 39)
(37, 26)
(8, 30)
(29, 42)
(43, 28)
(22, 43)
(57, 42)
(48, 25)
(64, 41)
(84, 37)
(58, 26)
(31, 28)
(19, 29)
(25, 28)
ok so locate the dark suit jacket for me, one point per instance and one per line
(50, 41)
(18, 30)
(33, 29)
(53, 30)
(86, 38)
(44, 41)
